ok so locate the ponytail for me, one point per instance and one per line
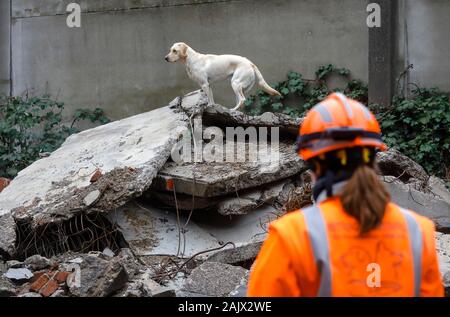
(365, 198)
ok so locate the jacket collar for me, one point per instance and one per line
(337, 188)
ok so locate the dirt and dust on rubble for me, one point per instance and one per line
(111, 214)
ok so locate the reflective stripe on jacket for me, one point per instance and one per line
(318, 252)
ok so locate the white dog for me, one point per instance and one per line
(206, 69)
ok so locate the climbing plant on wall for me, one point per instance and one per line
(419, 126)
(300, 94)
(32, 126)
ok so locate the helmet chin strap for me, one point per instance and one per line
(327, 181)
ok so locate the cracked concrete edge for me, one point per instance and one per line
(72, 200)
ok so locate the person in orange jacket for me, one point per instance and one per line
(353, 241)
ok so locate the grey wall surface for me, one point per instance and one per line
(428, 42)
(5, 47)
(115, 60)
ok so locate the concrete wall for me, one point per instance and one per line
(115, 60)
(424, 36)
(5, 47)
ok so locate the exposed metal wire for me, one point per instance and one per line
(82, 233)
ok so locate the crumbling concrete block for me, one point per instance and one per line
(7, 234)
(133, 289)
(394, 163)
(183, 202)
(438, 188)
(150, 231)
(250, 200)
(7, 289)
(129, 153)
(220, 116)
(237, 206)
(216, 279)
(37, 262)
(232, 204)
(154, 289)
(14, 264)
(423, 203)
(212, 179)
(95, 277)
(108, 253)
(131, 265)
(239, 254)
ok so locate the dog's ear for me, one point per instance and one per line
(183, 50)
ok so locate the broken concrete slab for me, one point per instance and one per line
(216, 279)
(19, 275)
(95, 277)
(212, 179)
(108, 253)
(246, 232)
(7, 235)
(7, 289)
(37, 263)
(243, 203)
(92, 198)
(183, 202)
(157, 290)
(154, 289)
(438, 188)
(133, 289)
(14, 264)
(142, 285)
(3, 267)
(150, 231)
(129, 262)
(128, 152)
(220, 116)
(237, 255)
(394, 163)
(233, 204)
(240, 230)
(237, 206)
(423, 203)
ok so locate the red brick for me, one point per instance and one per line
(36, 276)
(61, 277)
(51, 287)
(39, 283)
(96, 176)
(4, 182)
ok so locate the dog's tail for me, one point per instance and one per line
(263, 84)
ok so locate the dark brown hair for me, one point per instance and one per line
(365, 198)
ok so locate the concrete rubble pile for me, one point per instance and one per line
(111, 213)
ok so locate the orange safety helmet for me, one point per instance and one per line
(337, 123)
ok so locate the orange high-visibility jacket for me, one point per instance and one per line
(318, 252)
